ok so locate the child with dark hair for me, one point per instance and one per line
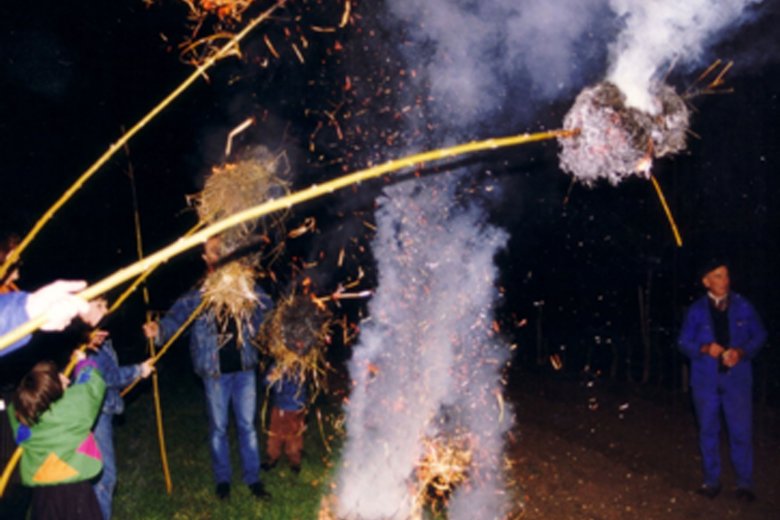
(51, 420)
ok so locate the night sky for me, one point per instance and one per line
(73, 76)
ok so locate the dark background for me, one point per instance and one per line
(73, 76)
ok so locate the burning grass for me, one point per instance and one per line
(615, 141)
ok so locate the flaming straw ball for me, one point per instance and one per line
(443, 467)
(229, 291)
(616, 141)
(295, 335)
(234, 187)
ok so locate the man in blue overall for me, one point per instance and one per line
(721, 334)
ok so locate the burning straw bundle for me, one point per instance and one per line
(616, 141)
(295, 336)
(442, 468)
(229, 291)
(234, 187)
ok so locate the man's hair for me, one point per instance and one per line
(36, 392)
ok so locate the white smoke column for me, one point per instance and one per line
(426, 363)
(660, 32)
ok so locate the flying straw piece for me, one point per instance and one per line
(237, 130)
(225, 50)
(282, 203)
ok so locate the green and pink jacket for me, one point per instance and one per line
(60, 447)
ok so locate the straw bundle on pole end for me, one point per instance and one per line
(295, 335)
(234, 187)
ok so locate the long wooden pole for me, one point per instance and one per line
(285, 202)
(224, 51)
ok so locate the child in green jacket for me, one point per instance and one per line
(52, 421)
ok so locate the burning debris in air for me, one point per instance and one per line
(616, 141)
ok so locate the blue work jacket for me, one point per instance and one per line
(745, 330)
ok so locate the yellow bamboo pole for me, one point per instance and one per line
(669, 216)
(285, 202)
(224, 51)
(159, 418)
(164, 348)
(9, 469)
(139, 246)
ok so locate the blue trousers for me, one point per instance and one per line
(239, 390)
(104, 487)
(737, 404)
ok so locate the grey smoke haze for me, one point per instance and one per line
(505, 55)
(427, 364)
(658, 33)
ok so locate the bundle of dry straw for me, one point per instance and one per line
(295, 336)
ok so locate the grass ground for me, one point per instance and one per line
(141, 488)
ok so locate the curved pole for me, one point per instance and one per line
(224, 51)
(281, 203)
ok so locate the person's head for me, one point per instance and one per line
(97, 309)
(717, 280)
(41, 387)
(212, 251)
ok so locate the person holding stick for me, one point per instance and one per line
(226, 361)
(115, 377)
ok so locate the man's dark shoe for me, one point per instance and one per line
(268, 466)
(745, 495)
(708, 491)
(223, 490)
(258, 490)
(295, 468)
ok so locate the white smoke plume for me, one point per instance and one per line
(427, 364)
(661, 32)
(484, 56)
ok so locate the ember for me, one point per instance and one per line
(616, 141)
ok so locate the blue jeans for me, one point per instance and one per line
(240, 389)
(104, 488)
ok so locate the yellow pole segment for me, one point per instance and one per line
(669, 216)
(225, 50)
(9, 469)
(285, 202)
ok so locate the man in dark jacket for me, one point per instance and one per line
(227, 363)
(721, 334)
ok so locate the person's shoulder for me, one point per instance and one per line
(740, 300)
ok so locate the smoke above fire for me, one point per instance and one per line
(657, 34)
(427, 367)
